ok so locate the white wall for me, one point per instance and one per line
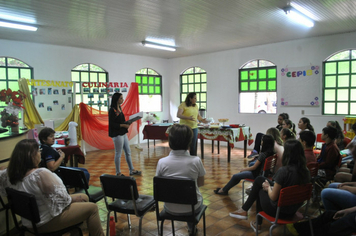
(222, 75)
(52, 62)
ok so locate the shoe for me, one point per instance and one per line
(237, 215)
(136, 172)
(193, 234)
(248, 190)
(120, 174)
(253, 226)
(217, 192)
(252, 156)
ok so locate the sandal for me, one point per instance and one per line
(217, 192)
(135, 172)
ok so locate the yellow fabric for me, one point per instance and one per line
(31, 116)
(189, 111)
(73, 116)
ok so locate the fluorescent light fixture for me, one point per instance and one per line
(298, 16)
(17, 26)
(158, 46)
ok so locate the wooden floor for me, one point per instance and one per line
(218, 173)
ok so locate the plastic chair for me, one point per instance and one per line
(318, 141)
(75, 178)
(269, 165)
(25, 205)
(346, 141)
(124, 189)
(288, 196)
(5, 207)
(178, 191)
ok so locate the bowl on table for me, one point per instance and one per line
(235, 126)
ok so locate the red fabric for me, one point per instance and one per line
(95, 123)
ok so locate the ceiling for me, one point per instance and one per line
(195, 26)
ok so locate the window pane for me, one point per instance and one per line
(329, 95)
(345, 55)
(2, 73)
(191, 79)
(272, 85)
(197, 78)
(185, 88)
(330, 68)
(14, 85)
(251, 64)
(139, 89)
(203, 87)
(244, 86)
(191, 88)
(84, 77)
(102, 77)
(138, 79)
(93, 77)
(353, 80)
(2, 85)
(342, 94)
(75, 76)
(244, 75)
(253, 74)
(197, 88)
(25, 73)
(203, 97)
(353, 95)
(343, 81)
(272, 73)
(353, 67)
(144, 80)
(151, 80)
(184, 79)
(353, 108)
(150, 103)
(144, 89)
(342, 108)
(158, 90)
(77, 87)
(253, 85)
(262, 74)
(157, 80)
(264, 63)
(78, 99)
(13, 73)
(329, 108)
(258, 102)
(344, 67)
(330, 81)
(151, 90)
(262, 85)
(183, 96)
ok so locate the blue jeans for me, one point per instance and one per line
(193, 145)
(122, 142)
(346, 159)
(236, 178)
(337, 199)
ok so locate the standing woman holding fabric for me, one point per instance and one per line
(188, 112)
(118, 128)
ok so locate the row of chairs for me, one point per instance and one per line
(125, 199)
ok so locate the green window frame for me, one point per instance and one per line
(194, 80)
(11, 70)
(258, 87)
(149, 82)
(90, 73)
(339, 83)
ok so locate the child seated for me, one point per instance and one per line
(307, 138)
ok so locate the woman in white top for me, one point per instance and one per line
(58, 209)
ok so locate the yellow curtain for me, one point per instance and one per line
(31, 116)
(73, 116)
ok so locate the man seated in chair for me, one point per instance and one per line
(181, 164)
(50, 157)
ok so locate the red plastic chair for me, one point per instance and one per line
(270, 163)
(346, 141)
(318, 140)
(290, 196)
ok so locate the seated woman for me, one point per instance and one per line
(304, 124)
(51, 158)
(287, 134)
(293, 172)
(290, 125)
(258, 138)
(181, 164)
(57, 209)
(329, 223)
(339, 196)
(250, 172)
(340, 136)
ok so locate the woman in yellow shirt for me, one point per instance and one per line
(188, 112)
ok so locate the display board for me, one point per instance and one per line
(300, 86)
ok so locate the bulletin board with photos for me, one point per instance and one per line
(53, 101)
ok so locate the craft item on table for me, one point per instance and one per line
(72, 131)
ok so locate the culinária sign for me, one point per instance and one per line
(70, 84)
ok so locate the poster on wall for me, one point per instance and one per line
(300, 86)
(53, 99)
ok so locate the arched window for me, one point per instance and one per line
(89, 85)
(193, 80)
(339, 83)
(150, 89)
(258, 87)
(11, 70)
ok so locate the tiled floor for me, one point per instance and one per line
(218, 172)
